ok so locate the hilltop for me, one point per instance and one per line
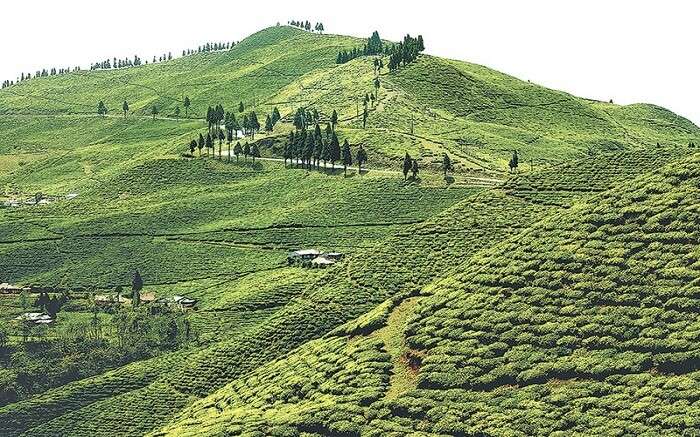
(567, 286)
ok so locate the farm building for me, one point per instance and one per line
(302, 255)
(9, 288)
(184, 302)
(335, 256)
(322, 261)
(36, 318)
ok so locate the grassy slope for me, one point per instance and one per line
(199, 227)
(476, 114)
(569, 318)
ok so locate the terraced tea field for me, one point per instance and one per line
(560, 298)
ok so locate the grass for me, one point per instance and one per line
(457, 304)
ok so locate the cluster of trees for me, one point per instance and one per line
(399, 54)
(513, 163)
(304, 117)
(249, 124)
(410, 165)
(374, 46)
(116, 63)
(405, 52)
(79, 348)
(209, 141)
(306, 25)
(39, 73)
(209, 47)
(309, 147)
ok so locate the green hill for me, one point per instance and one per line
(564, 287)
(589, 319)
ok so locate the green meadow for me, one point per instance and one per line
(557, 299)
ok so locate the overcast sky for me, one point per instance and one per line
(626, 50)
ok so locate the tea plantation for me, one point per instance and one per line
(556, 299)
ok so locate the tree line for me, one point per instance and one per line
(400, 54)
(306, 25)
(405, 52)
(308, 147)
(373, 46)
(39, 73)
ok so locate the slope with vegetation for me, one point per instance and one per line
(574, 318)
(389, 339)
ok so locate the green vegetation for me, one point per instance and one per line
(535, 270)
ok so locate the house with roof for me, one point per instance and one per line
(35, 318)
(302, 255)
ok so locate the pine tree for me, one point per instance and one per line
(255, 151)
(193, 145)
(414, 169)
(334, 119)
(246, 151)
(136, 287)
(241, 108)
(125, 108)
(334, 150)
(446, 164)
(186, 105)
(177, 112)
(347, 156)
(200, 144)
(222, 137)
(288, 148)
(209, 144)
(268, 124)
(513, 164)
(275, 116)
(237, 150)
(407, 165)
(154, 111)
(361, 159)
(101, 108)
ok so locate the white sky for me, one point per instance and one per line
(627, 50)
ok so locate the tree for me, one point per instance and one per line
(414, 169)
(237, 150)
(334, 119)
(241, 108)
(154, 111)
(361, 159)
(200, 144)
(125, 108)
(193, 145)
(186, 105)
(377, 84)
(209, 144)
(513, 164)
(246, 151)
(288, 148)
(222, 137)
(446, 164)
(276, 116)
(407, 165)
(347, 156)
(268, 124)
(254, 123)
(365, 114)
(177, 112)
(136, 287)
(334, 150)
(101, 108)
(328, 131)
(255, 151)
(308, 150)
